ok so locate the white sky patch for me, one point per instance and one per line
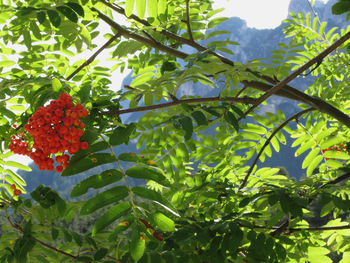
(259, 14)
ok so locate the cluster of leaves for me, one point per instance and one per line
(208, 196)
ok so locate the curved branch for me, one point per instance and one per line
(292, 93)
(295, 116)
(20, 230)
(92, 58)
(246, 100)
(297, 72)
(188, 22)
(126, 33)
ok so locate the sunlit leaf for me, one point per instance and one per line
(105, 198)
(110, 216)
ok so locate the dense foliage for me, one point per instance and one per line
(207, 196)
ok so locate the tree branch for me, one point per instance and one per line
(337, 180)
(296, 73)
(288, 91)
(294, 94)
(246, 100)
(126, 33)
(20, 230)
(188, 22)
(295, 116)
(92, 58)
(291, 230)
(167, 33)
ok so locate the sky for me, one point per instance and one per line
(264, 14)
(259, 14)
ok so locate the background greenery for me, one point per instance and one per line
(189, 152)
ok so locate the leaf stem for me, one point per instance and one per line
(245, 100)
(295, 116)
(123, 173)
(92, 58)
(188, 22)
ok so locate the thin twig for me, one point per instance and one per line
(337, 180)
(20, 230)
(92, 58)
(292, 93)
(245, 100)
(167, 33)
(188, 22)
(126, 33)
(295, 116)
(300, 70)
(324, 228)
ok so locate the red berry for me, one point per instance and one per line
(13, 186)
(17, 192)
(59, 168)
(84, 145)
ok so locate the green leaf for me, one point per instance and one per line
(305, 146)
(121, 134)
(151, 195)
(27, 39)
(336, 155)
(110, 216)
(54, 233)
(56, 85)
(152, 8)
(314, 163)
(16, 177)
(162, 5)
(163, 222)
(331, 142)
(17, 165)
(186, 124)
(101, 253)
(76, 7)
(129, 7)
(216, 21)
(96, 181)
(238, 111)
(199, 117)
(318, 254)
(41, 16)
(231, 119)
(68, 12)
(85, 35)
(7, 63)
(341, 7)
(219, 32)
(35, 29)
(141, 8)
(84, 259)
(54, 18)
(148, 174)
(87, 163)
(105, 198)
(137, 246)
(310, 157)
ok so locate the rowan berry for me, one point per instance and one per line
(13, 186)
(84, 145)
(59, 168)
(17, 192)
(55, 128)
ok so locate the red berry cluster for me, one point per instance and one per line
(338, 148)
(55, 128)
(16, 192)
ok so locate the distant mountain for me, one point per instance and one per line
(254, 44)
